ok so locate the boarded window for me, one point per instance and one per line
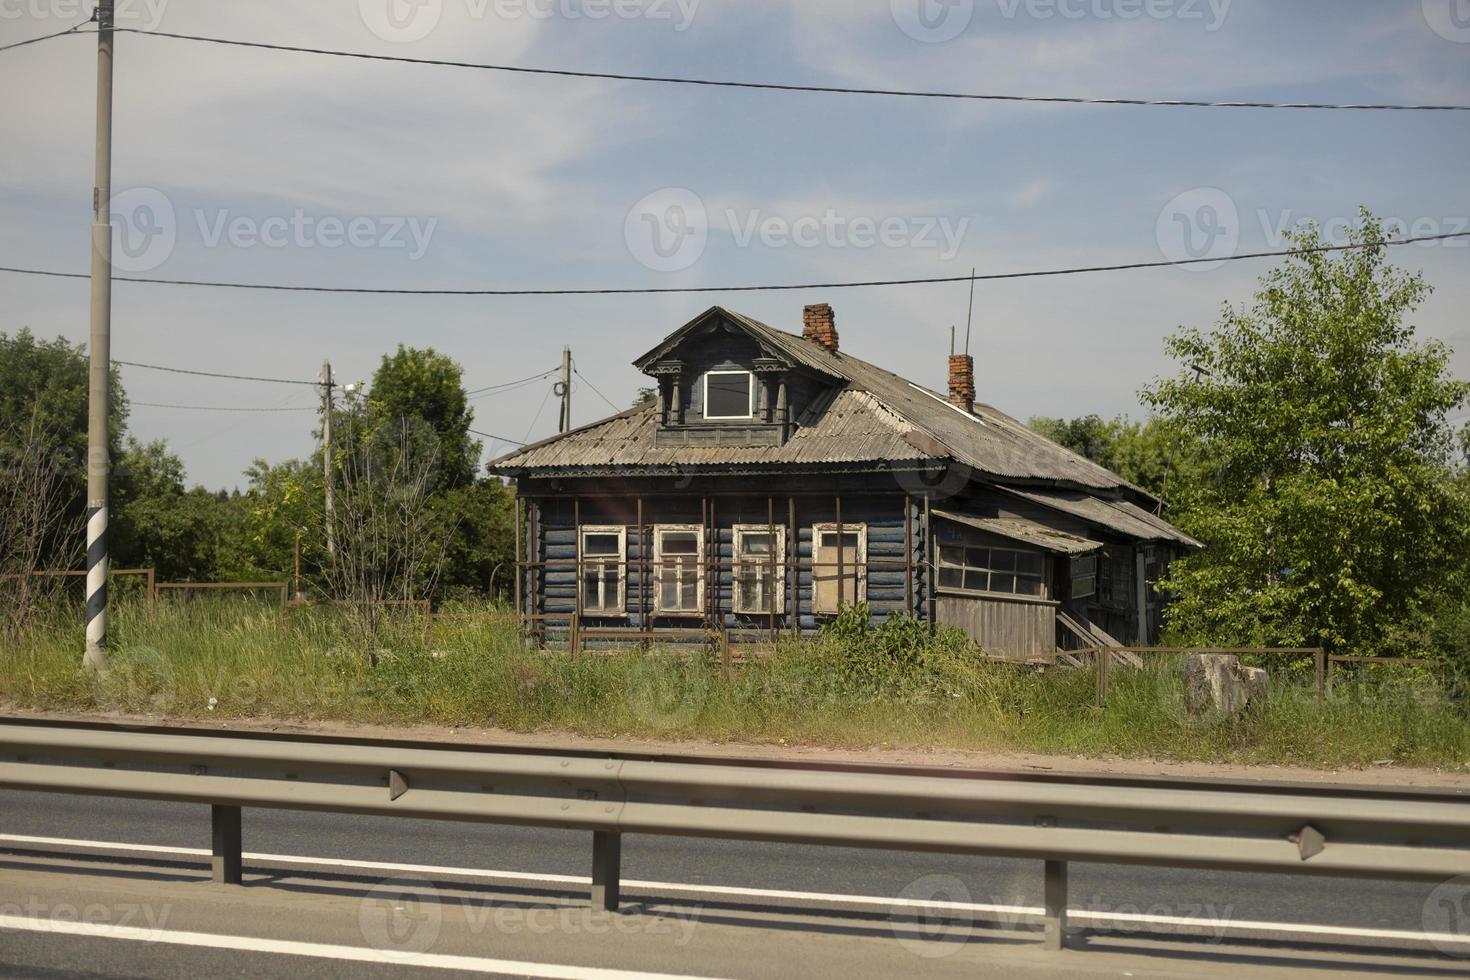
(604, 565)
(728, 395)
(760, 582)
(678, 554)
(840, 574)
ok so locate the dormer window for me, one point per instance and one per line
(729, 395)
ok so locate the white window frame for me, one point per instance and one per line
(750, 406)
(659, 530)
(763, 565)
(621, 562)
(820, 561)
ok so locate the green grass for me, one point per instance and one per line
(237, 659)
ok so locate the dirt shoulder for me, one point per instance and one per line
(1378, 775)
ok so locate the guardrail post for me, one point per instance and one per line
(224, 862)
(1055, 899)
(607, 860)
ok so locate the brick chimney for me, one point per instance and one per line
(962, 381)
(819, 326)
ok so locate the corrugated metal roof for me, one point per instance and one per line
(858, 429)
(848, 426)
(1026, 532)
(1116, 515)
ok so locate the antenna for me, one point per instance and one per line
(969, 317)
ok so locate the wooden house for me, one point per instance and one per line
(776, 479)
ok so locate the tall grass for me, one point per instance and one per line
(221, 658)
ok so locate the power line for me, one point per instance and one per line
(537, 417)
(211, 374)
(510, 384)
(488, 435)
(662, 290)
(594, 389)
(217, 408)
(46, 37)
(778, 87)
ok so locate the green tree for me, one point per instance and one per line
(426, 387)
(1146, 454)
(1322, 488)
(187, 535)
(43, 388)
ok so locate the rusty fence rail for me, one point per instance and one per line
(1409, 834)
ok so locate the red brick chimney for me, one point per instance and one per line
(962, 381)
(819, 326)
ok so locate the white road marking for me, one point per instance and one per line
(326, 951)
(1016, 912)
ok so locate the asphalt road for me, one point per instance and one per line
(762, 935)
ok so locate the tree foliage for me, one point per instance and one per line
(1323, 486)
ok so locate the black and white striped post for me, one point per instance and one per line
(100, 353)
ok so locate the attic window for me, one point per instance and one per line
(729, 395)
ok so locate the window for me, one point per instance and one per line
(1084, 576)
(603, 568)
(1115, 584)
(678, 555)
(760, 586)
(729, 395)
(839, 586)
(967, 567)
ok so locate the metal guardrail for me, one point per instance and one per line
(1369, 833)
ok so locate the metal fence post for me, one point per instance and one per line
(224, 862)
(1055, 900)
(607, 859)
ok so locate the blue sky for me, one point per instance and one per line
(278, 167)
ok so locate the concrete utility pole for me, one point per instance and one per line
(327, 385)
(100, 354)
(566, 390)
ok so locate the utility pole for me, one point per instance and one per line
(100, 355)
(327, 385)
(566, 390)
